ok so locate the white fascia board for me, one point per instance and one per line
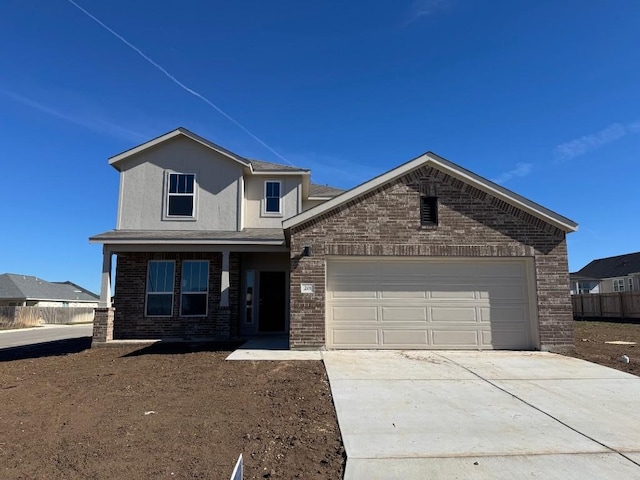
(280, 173)
(186, 242)
(502, 193)
(168, 136)
(448, 167)
(320, 198)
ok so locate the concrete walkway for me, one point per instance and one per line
(484, 415)
(272, 348)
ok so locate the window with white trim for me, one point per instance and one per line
(630, 289)
(618, 285)
(160, 275)
(194, 290)
(181, 195)
(272, 197)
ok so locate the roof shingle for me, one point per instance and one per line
(610, 267)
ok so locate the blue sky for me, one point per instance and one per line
(541, 96)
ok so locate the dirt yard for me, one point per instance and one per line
(142, 413)
(590, 338)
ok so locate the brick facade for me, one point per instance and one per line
(472, 223)
(130, 321)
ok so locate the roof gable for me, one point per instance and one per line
(610, 267)
(435, 161)
(116, 160)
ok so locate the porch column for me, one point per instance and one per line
(105, 286)
(224, 280)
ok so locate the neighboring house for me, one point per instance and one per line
(607, 275)
(579, 284)
(27, 291)
(427, 255)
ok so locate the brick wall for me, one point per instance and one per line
(130, 321)
(471, 223)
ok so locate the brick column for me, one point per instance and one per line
(102, 326)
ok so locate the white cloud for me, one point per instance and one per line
(424, 8)
(587, 143)
(78, 116)
(522, 170)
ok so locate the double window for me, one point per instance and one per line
(618, 284)
(195, 287)
(160, 277)
(181, 193)
(272, 197)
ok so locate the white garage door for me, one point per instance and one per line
(429, 303)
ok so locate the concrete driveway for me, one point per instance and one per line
(484, 415)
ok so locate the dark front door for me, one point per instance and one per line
(272, 301)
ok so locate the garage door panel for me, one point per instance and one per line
(512, 293)
(402, 290)
(353, 314)
(355, 337)
(453, 314)
(452, 292)
(403, 314)
(405, 338)
(498, 314)
(395, 302)
(501, 269)
(505, 339)
(454, 338)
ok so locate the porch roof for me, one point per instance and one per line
(248, 236)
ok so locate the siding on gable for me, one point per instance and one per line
(142, 185)
(472, 223)
(254, 195)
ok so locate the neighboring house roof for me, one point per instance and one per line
(456, 171)
(575, 277)
(261, 166)
(270, 236)
(115, 160)
(324, 191)
(14, 286)
(610, 267)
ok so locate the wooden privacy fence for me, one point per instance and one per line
(21, 317)
(606, 305)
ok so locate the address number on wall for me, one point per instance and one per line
(307, 288)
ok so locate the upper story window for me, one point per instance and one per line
(272, 204)
(618, 285)
(428, 211)
(181, 193)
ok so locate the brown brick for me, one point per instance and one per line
(472, 223)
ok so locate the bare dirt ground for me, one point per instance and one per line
(69, 412)
(182, 412)
(590, 338)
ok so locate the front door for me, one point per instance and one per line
(272, 302)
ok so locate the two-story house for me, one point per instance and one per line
(211, 245)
